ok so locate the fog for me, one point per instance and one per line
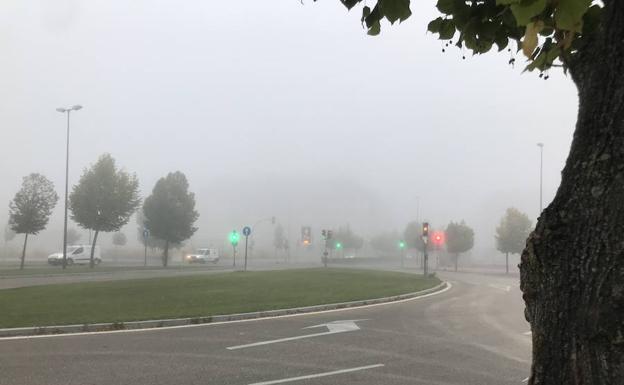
(277, 109)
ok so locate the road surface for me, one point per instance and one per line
(473, 333)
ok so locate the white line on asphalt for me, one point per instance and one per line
(334, 327)
(527, 333)
(526, 380)
(447, 288)
(293, 379)
(506, 288)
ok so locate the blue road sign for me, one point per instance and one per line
(246, 231)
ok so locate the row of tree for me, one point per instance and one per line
(103, 201)
(511, 236)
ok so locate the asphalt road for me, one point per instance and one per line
(473, 333)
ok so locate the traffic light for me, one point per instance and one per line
(324, 233)
(338, 245)
(425, 229)
(234, 237)
(438, 238)
(306, 235)
(401, 244)
(329, 234)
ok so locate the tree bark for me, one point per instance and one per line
(166, 254)
(95, 237)
(24, 252)
(456, 259)
(506, 263)
(572, 269)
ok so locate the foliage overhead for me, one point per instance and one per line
(169, 213)
(105, 197)
(459, 238)
(549, 32)
(513, 231)
(29, 211)
(152, 241)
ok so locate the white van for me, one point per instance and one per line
(76, 254)
(203, 255)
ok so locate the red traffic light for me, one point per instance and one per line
(438, 238)
(425, 229)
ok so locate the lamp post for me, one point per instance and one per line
(541, 146)
(67, 111)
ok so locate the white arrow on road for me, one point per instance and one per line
(332, 328)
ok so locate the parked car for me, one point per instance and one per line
(203, 256)
(76, 254)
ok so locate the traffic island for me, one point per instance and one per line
(177, 301)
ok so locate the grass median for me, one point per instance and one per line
(195, 296)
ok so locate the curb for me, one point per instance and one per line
(151, 324)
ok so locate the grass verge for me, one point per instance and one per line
(195, 296)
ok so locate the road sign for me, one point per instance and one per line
(246, 231)
(146, 233)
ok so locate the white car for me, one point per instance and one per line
(203, 256)
(76, 254)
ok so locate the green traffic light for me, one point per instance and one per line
(401, 245)
(234, 237)
(338, 245)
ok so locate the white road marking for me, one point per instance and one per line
(506, 288)
(447, 288)
(526, 380)
(333, 328)
(311, 376)
(528, 333)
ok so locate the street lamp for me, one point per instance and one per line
(541, 146)
(67, 111)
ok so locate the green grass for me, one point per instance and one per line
(194, 296)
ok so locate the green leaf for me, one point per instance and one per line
(374, 28)
(447, 29)
(395, 10)
(446, 6)
(569, 14)
(434, 25)
(528, 9)
(501, 41)
(366, 11)
(349, 3)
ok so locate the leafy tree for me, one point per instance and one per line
(386, 243)
(347, 238)
(413, 236)
(30, 210)
(9, 234)
(512, 233)
(169, 213)
(104, 199)
(119, 239)
(73, 236)
(574, 255)
(278, 238)
(459, 239)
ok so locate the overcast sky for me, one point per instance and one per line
(278, 108)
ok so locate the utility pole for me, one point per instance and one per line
(425, 238)
(67, 111)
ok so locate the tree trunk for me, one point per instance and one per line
(24, 252)
(166, 254)
(456, 259)
(506, 263)
(572, 269)
(95, 236)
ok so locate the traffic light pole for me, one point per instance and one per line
(234, 255)
(425, 259)
(245, 268)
